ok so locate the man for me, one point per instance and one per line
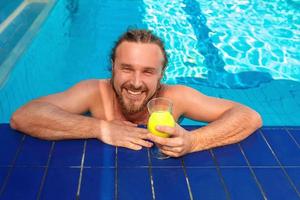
(119, 104)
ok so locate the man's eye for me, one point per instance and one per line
(149, 72)
(126, 69)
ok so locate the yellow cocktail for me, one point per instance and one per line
(160, 110)
(162, 118)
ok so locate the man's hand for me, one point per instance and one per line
(178, 144)
(124, 134)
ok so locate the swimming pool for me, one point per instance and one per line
(243, 50)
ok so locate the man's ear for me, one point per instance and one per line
(112, 63)
(162, 73)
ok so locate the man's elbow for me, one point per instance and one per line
(15, 120)
(19, 118)
(256, 120)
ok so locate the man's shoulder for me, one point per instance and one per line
(93, 83)
(179, 92)
(176, 89)
(91, 86)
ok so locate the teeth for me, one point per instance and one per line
(134, 93)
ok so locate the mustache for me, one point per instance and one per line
(131, 87)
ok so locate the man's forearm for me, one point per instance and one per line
(46, 121)
(232, 127)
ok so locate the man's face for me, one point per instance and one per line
(137, 71)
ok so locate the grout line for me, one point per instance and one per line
(280, 128)
(253, 173)
(220, 174)
(281, 166)
(46, 171)
(151, 174)
(187, 179)
(13, 166)
(298, 145)
(81, 170)
(158, 167)
(116, 174)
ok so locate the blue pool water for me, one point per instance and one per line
(244, 50)
(240, 44)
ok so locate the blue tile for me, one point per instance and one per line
(202, 158)
(130, 158)
(275, 183)
(98, 183)
(296, 135)
(257, 151)
(240, 183)
(61, 183)
(9, 143)
(99, 154)
(3, 174)
(67, 153)
(34, 152)
(24, 183)
(169, 183)
(205, 183)
(229, 155)
(134, 183)
(284, 147)
(294, 174)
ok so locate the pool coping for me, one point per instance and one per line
(27, 38)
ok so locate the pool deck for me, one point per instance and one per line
(264, 166)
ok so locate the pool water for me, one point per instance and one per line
(236, 44)
(243, 50)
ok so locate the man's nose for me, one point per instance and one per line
(137, 80)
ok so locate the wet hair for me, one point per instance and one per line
(140, 36)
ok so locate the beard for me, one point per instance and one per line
(132, 106)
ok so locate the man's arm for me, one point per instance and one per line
(230, 122)
(57, 117)
(47, 121)
(232, 126)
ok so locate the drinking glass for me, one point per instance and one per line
(160, 110)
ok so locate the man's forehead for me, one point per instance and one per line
(146, 53)
(129, 47)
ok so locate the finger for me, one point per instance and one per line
(171, 149)
(172, 142)
(141, 142)
(166, 129)
(131, 145)
(170, 153)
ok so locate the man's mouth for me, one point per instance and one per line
(135, 95)
(134, 92)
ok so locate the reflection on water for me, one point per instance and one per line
(228, 45)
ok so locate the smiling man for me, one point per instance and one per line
(117, 105)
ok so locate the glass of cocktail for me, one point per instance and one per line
(160, 110)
